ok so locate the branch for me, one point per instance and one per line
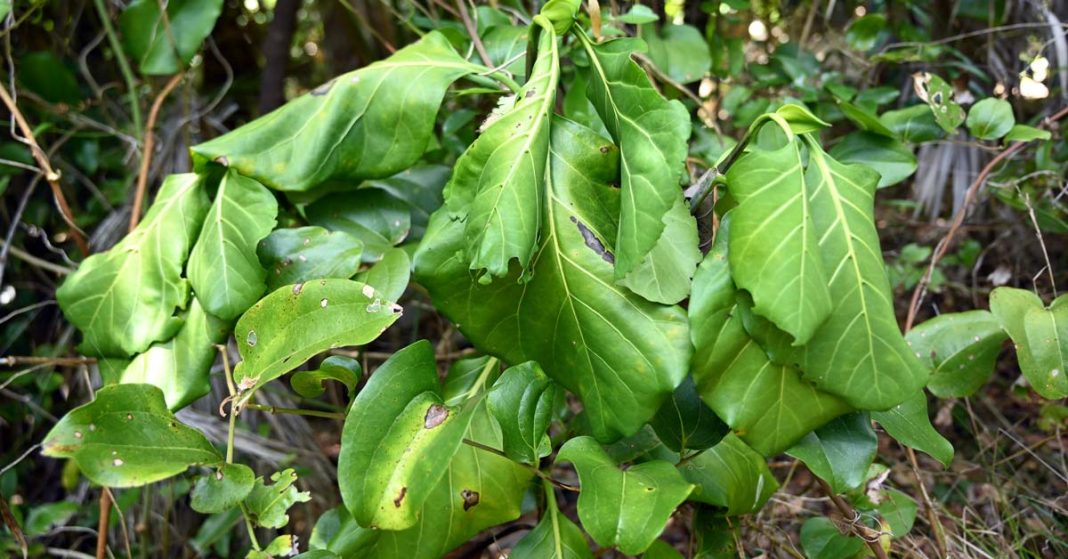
(870, 537)
(473, 32)
(150, 143)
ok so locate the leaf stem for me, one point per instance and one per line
(233, 415)
(296, 411)
(249, 527)
(544, 476)
(870, 537)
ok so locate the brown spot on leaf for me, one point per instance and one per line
(436, 414)
(604, 149)
(400, 496)
(470, 498)
(593, 242)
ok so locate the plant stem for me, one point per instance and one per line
(146, 155)
(233, 415)
(102, 525)
(546, 477)
(120, 57)
(250, 528)
(870, 537)
(296, 411)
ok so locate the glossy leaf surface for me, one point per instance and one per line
(390, 275)
(371, 215)
(839, 452)
(960, 348)
(1039, 336)
(305, 253)
(909, 423)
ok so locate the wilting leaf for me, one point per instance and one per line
(522, 401)
(621, 354)
(555, 536)
(305, 253)
(127, 437)
(224, 271)
(166, 44)
(289, 326)
(269, 504)
(730, 475)
(909, 424)
(626, 509)
(839, 452)
(961, 350)
(222, 489)
(180, 367)
(345, 370)
(370, 123)
(124, 299)
(651, 133)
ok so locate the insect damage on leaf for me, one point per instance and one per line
(436, 414)
(593, 242)
(470, 498)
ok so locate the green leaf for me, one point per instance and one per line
(638, 14)
(679, 51)
(561, 13)
(821, 539)
(685, 422)
(269, 504)
(42, 519)
(124, 299)
(909, 424)
(281, 546)
(396, 435)
(305, 253)
(915, 124)
(345, 370)
(162, 44)
(858, 353)
(370, 123)
(865, 120)
(555, 536)
(893, 160)
(127, 437)
(899, 511)
(662, 550)
(421, 188)
(990, 118)
(390, 275)
(626, 509)
(180, 367)
(663, 276)
(939, 96)
(1039, 336)
(497, 186)
(292, 324)
(223, 489)
(224, 271)
(839, 452)
(1024, 133)
(621, 354)
(732, 476)
(863, 33)
(774, 249)
(522, 401)
(961, 349)
(651, 133)
(45, 74)
(371, 215)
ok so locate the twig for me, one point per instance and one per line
(958, 219)
(120, 57)
(35, 261)
(473, 32)
(928, 505)
(146, 158)
(13, 360)
(870, 537)
(534, 470)
(295, 411)
(102, 526)
(46, 169)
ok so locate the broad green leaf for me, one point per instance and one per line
(164, 44)
(555, 536)
(938, 95)
(292, 324)
(899, 511)
(732, 476)
(224, 271)
(651, 133)
(180, 367)
(714, 536)
(839, 452)
(505, 45)
(124, 299)
(42, 519)
(390, 275)
(821, 539)
(345, 370)
(863, 33)
(990, 118)
(126, 437)
(497, 186)
(1038, 334)
(663, 276)
(466, 377)
(909, 424)
(222, 489)
(625, 509)
(305, 253)
(858, 353)
(865, 120)
(371, 215)
(893, 160)
(370, 123)
(774, 249)
(679, 51)
(797, 116)
(396, 435)
(638, 14)
(522, 401)
(913, 124)
(317, 554)
(961, 349)
(421, 188)
(685, 422)
(560, 13)
(621, 354)
(269, 504)
(662, 550)
(1024, 133)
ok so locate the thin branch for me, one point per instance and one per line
(46, 169)
(295, 411)
(16, 360)
(120, 57)
(35, 261)
(870, 537)
(146, 158)
(533, 469)
(472, 30)
(102, 526)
